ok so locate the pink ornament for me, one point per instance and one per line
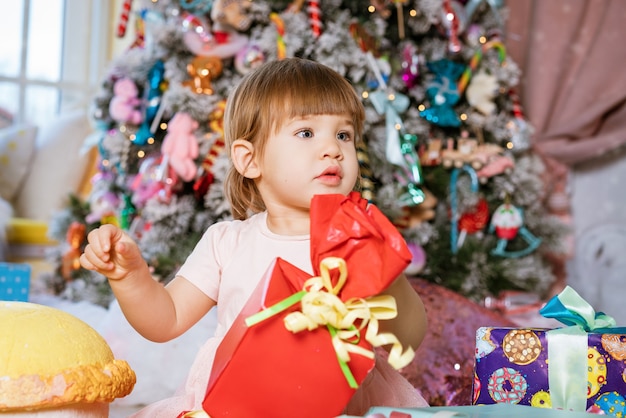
(180, 146)
(249, 58)
(410, 66)
(418, 259)
(125, 106)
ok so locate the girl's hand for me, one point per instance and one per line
(112, 253)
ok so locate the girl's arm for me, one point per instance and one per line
(410, 325)
(158, 313)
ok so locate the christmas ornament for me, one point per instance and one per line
(473, 221)
(481, 92)
(410, 66)
(475, 62)
(507, 222)
(494, 5)
(216, 44)
(202, 70)
(418, 259)
(454, 20)
(154, 93)
(154, 180)
(249, 58)
(199, 7)
(193, 24)
(443, 94)
(75, 236)
(519, 129)
(180, 146)
(103, 205)
(454, 228)
(123, 20)
(232, 13)
(281, 48)
(125, 105)
(315, 17)
(391, 105)
(127, 213)
(366, 183)
(411, 172)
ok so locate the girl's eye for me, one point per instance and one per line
(305, 133)
(344, 136)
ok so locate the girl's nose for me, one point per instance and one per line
(331, 148)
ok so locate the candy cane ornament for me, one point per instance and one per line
(475, 62)
(124, 16)
(281, 48)
(315, 17)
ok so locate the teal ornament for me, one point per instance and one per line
(154, 93)
(454, 176)
(411, 173)
(443, 93)
(197, 7)
(391, 105)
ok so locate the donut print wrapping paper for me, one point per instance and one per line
(511, 366)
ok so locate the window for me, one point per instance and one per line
(55, 58)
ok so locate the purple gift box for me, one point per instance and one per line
(14, 281)
(512, 367)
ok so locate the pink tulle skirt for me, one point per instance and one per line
(384, 386)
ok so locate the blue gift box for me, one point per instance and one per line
(14, 281)
(478, 411)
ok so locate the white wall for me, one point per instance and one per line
(598, 269)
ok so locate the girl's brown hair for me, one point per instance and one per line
(276, 92)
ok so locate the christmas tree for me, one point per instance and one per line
(446, 154)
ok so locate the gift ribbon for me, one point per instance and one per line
(322, 306)
(567, 347)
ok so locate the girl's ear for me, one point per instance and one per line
(242, 154)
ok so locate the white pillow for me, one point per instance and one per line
(57, 169)
(17, 146)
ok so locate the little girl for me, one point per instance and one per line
(291, 128)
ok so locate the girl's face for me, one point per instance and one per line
(308, 155)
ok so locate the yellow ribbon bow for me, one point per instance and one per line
(345, 320)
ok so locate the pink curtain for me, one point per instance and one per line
(572, 54)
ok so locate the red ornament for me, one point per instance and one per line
(475, 220)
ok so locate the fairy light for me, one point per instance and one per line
(141, 153)
(463, 116)
(412, 12)
(365, 95)
(421, 107)
(371, 8)
(150, 141)
(510, 145)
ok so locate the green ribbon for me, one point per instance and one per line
(275, 309)
(567, 347)
(285, 304)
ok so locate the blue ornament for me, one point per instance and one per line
(154, 94)
(443, 93)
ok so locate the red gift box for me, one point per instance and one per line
(267, 370)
